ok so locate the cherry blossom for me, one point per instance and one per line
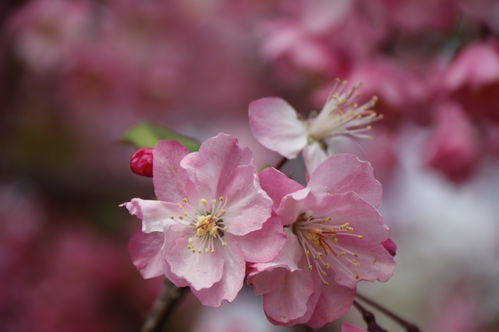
(334, 236)
(277, 125)
(211, 217)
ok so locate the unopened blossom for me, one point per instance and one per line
(335, 238)
(211, 217)
(277, 126)
(141, 162)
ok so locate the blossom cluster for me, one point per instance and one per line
(303, 248)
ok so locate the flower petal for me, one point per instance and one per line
(375, 263)
(247, 204)
(263, 245)
(277, 184)
(289, 298)
(232, 279)
(145, 249)
(288, 258)
(343, 173)
(213, 166)
(154, 214)
(201, 270)
(333, 303)
(276, 126)
(171, 182)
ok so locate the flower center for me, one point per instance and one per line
(342, 116)
(321, 239)
(206, 221)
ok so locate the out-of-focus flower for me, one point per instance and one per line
(415, 16)
(142, 161)
(453, 148)
(350, 328)
(211, 217)
(48, 30)
(334, 239)
(484, 11)
(277, 126)
(473, 79)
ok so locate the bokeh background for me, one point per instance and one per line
(77, 74)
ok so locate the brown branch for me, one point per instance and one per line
(409, 327)
(165, 304)
(369, 318)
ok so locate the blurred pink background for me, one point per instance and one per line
(76, 74)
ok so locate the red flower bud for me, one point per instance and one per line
(141, 162)
(390, 246)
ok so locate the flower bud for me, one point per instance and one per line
(390, 246)
(141, 162)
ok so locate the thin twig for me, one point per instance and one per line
(166, 302)
(369, 318)
(409, 327)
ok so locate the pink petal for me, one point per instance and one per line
(375, 264)
(350, 328)
(289, 298)
(277, 184)
(247, 205)
(200, 270)
(288, 258)
(154, 214)
(350, 208)
(146, 253)
(292, 205)
(263, 245)
(214, 165)
(313, 156)
(232, 279)
(170, 180)
(275, 125)
(333, 303)
(345, 172)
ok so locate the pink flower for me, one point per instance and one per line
(141, 162)
(454, 147)
(211, 217)
(350, 328)
(277, 126)
(334, 236)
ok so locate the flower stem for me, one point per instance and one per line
(165, 304)
(369, 318)
(409, 327)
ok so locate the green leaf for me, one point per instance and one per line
(146, 135)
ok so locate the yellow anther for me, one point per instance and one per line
(184, 200)
(327, 266)
(206, 250)
(180, 206)
(221, 198)
(224, 244)
(181, 217)
(200, 252)
(357, 277)
(310, 267)
(325, 283)
(193, 251)
(360, 236)
(203, 201)
(222, 212)
(213, 201)
(172, 217)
